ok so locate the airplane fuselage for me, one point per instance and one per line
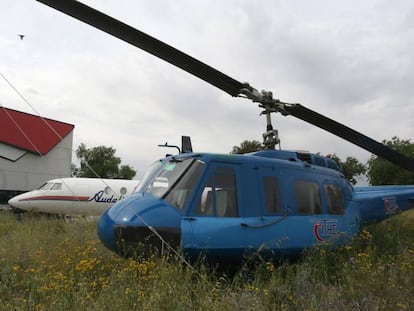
(74, 196)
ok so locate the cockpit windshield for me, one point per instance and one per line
(45, 186)
(172, 180)
(51, 186)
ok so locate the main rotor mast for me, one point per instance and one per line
(269, 105)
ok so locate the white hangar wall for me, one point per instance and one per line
(23, 171)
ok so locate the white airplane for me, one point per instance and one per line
(74, 196)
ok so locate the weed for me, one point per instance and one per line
(50, 264)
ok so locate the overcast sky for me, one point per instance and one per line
(352, 61)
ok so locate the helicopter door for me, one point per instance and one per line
(266, 231)
(274, 217)
(309, 215)
(317, 220)
(213, 224)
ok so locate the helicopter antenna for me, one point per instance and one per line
(170, 146)
(186, 146)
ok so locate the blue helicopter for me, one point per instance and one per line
(224, 207)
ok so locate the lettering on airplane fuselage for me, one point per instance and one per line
(323, 229)
(101, 198)
(390, 205)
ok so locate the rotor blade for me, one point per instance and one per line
(147, 43)
(350, 135)
(201, 70)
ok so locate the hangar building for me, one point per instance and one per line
(33, 150)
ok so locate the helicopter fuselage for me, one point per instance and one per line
(224, 207)
(227, 207)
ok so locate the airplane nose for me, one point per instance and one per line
(12, 202)
(16, 204)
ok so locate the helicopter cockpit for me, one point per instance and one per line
(172, 179)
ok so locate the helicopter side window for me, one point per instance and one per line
(205, 207)
(271, 192)
(334, 199)
(219, 196)
(308, 200)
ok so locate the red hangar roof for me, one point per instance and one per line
(31, 133)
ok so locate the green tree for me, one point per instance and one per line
(247, 146)
(101, 162)
(383, 172)
(351, 167)
(126, 172)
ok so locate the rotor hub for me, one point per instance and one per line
(269, 104)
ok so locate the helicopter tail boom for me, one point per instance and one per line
(381, 202)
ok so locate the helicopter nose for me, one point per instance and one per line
(106, 232)
(139, 225)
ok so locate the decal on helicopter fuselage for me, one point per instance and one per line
(390, 205)
(323, 229)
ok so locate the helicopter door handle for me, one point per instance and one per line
(276, 221)
(190, 218)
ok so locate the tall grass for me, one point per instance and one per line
(49, 264)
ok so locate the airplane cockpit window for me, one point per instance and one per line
(219, 195)
(46, 186)
(272, 197)
(308, 199)
(56, 186)
(334, 199)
